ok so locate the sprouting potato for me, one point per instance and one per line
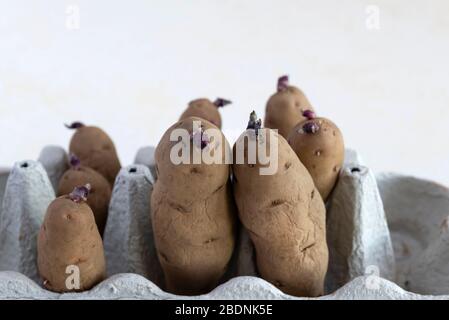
(99, 195)
(319, 145)
(69, 238)
(285, 108)
(284, 215)
(95, 149)
(205, 109)
(193, 214)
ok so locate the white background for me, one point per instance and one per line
(132, 66)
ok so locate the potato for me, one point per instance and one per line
(285, 217)
(95, 150)
(69, 238)
(99, 195)
(319, 145)
(284, 108)
(205, 109)
(193, 215)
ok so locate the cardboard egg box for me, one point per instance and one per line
(387, 236)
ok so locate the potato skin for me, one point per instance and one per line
(95, 149)
(193, 218)
(285, 217)
(99, 195)
(284, 110)
(322, 152)
(69, 236)
(203, 108)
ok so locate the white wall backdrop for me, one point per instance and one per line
(379, 69)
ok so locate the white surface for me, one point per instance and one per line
(352, 157)
(132, 67)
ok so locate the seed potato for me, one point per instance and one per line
(99, 195)
(69, 237)
(285, 107)
(95, 149)
(193, 215)
(285, 217)
(205, 109)
(319, 145)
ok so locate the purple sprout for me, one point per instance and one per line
(283, 83)
(200, 139)
(309, 114)
(75, 162)
(80, 194)
(74, 125)
(220, 102)
(310, 127)
(254, 123)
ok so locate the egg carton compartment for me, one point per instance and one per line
(386, 234)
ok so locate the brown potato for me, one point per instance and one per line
(99, 195)
(319, 145)
(193, 216)
(205, 109)
(284, 108)
(95, 150)
(69, 237)
(285, 218)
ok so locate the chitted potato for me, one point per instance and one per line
(95, 149)
(205, 109)
(284, 215)
(69, 237)
(193, 213)
(319, 145)
(99, 195)
(285, 108)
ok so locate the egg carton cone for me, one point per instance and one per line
(387, 216)
(4, 174)
(55, 162)
(417, 212)
(14, 285)
(145, 156)
(28, 193)
(356, 229)
(128, 236)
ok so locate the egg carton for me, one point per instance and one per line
(387, 237)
